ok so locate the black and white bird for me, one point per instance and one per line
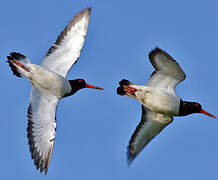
(159, 100)
(50, 85)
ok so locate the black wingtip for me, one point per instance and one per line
(45, 171)
(130, 156)
(89, 8)
(154, 52)
(85, 12)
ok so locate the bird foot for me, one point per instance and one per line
(20, 64)
(130, 90)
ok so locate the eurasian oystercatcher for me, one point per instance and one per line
(159, 100)
(50, 85)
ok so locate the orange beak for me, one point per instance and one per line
(208, 114)
(94, 87)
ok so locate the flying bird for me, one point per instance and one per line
(49, 85)
(159, 100)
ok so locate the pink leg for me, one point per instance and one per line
(130, 90)
(20, 64)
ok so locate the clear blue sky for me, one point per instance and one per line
(94, 127)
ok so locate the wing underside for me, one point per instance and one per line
(167, 72)
(64, 53)
(151, 124)
(41, 128)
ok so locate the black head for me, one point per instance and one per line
(78, 84)
(186, 108)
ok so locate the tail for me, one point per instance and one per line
(122, 90)
(19, 64)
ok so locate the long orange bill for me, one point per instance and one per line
(94, 87)
(205, 112)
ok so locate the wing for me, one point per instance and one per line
(41, 128)
(151, 124)
(64, 53)
(167, 72)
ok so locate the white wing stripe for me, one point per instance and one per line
(66, 50)
(41, 127)
(151, 124)
(167, 72)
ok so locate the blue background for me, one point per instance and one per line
(94, 127)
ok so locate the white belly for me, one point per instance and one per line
(50, 81)
(159, 100)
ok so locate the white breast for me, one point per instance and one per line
(50, 81)
(159, 100)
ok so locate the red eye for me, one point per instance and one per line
(197, 105)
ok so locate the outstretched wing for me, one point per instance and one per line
(41, 127)
(151, 124)
(64, 53)
(167, 72)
